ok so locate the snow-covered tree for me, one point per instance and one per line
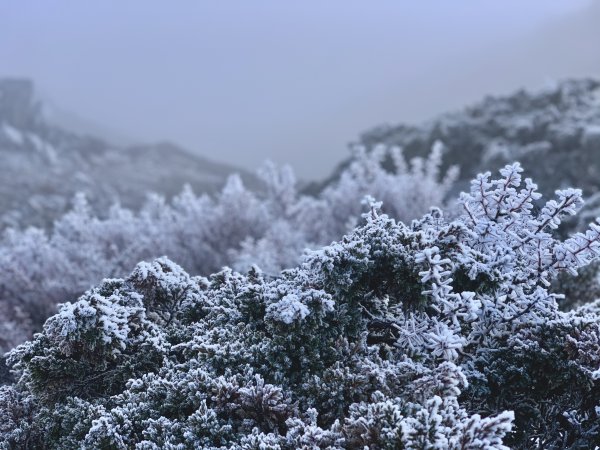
(438, 334)
(237, 228)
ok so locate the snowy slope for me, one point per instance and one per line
(554, 132)
(43, 165)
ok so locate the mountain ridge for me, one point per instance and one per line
(554, 132)
(45, 165)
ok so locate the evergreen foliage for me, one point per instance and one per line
(438, 334)
(237, 228)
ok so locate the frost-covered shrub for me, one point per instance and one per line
(435, 334)
(236, 228)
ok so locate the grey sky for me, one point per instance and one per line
(290, 81)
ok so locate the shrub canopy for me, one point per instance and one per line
(431, 335)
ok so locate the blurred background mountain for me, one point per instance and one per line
(554, 132)
(43, 165)
(241, 82)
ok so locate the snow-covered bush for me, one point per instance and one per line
(438, 334)
(236, 228)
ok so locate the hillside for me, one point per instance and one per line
(44, 165)
(554, 133)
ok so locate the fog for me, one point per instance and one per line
(241, 82)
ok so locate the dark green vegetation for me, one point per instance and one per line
(438, 334)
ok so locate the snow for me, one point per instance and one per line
(13, 134)
(370, 341)
(288, 309)
(43, 147)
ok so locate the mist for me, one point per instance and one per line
(291, 82)
(418, 266)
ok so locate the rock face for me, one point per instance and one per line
(554, 133)
(42, 166)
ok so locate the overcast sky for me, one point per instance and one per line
(290, 81)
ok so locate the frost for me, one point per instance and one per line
(288, 309)
(435, 334)
(238, 227)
